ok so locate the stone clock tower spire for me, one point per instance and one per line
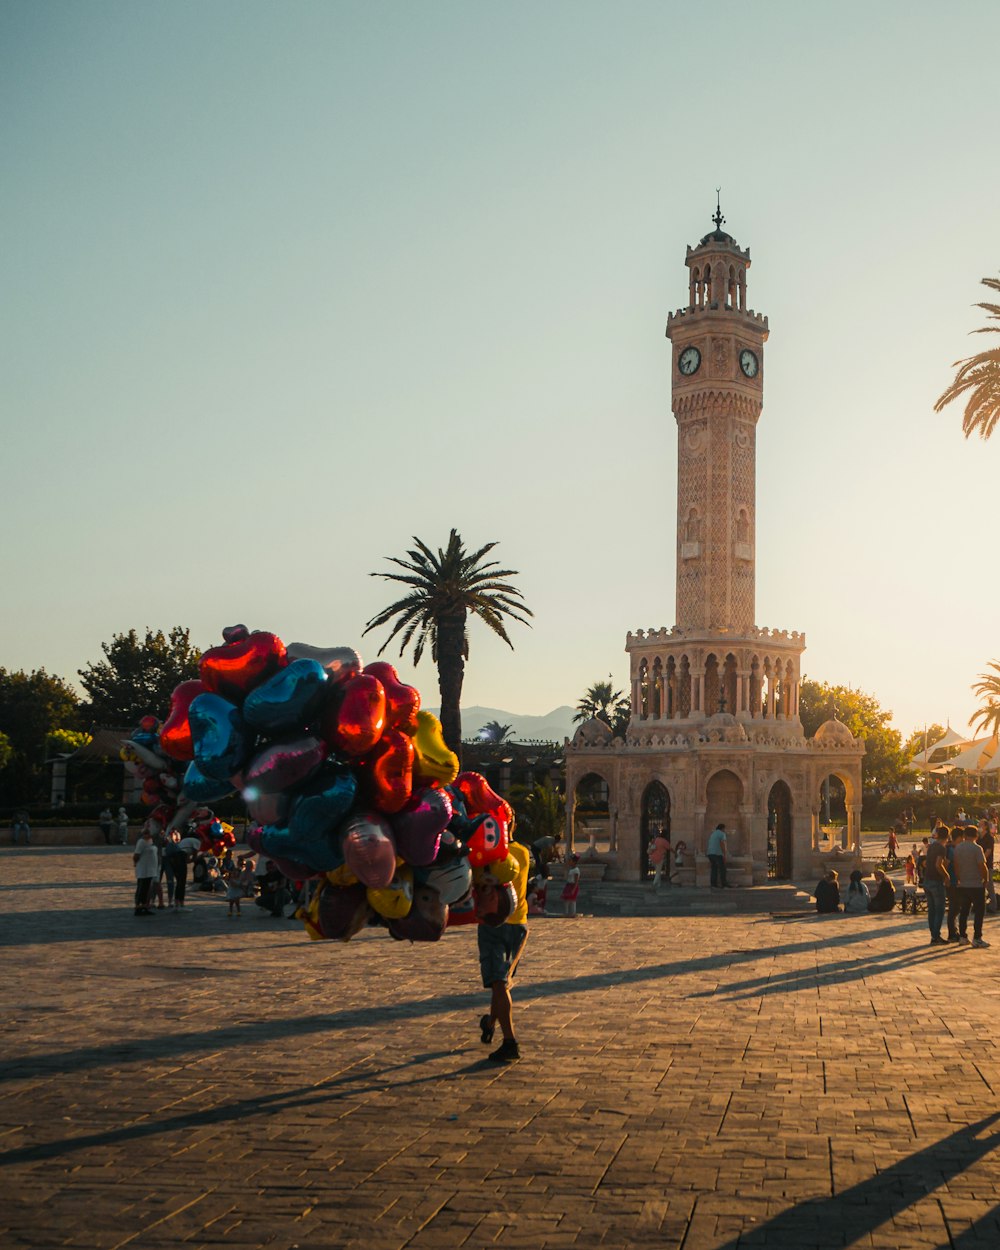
(718, 374)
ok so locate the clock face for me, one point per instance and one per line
(749, 362)
(689, 360)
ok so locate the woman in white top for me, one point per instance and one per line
(857, 897)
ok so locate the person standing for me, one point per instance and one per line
(970, 872)
(571, 890)
(951, 889)
(659, 857)
(500, 949)
(104, 822)
(147, 862)
(716, 852)
(987, 843)
(936, 879)
(122, 823)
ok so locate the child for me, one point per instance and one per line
(536, 899)
(911, 869)
(571, 890)
(234, 888)
(248, 876)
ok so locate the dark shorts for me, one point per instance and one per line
(499, 948)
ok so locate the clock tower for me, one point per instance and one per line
(715, 735)
(717, 394)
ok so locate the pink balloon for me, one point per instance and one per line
(369, 849)
(283, 765)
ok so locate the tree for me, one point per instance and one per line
(602, 702)
(884, 763)
(445, 589)
(987, 688)
(137, 678)
(541, 813)
(32, 705)
(979, 375)
(494, 733)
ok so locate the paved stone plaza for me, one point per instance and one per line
(688, 1081)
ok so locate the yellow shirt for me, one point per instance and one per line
(520, 883)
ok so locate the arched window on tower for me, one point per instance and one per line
(729, 684)
(711, 686)
(656, 710)
(756, 689)
(743, 289)
(671, 687)
(731, 288)
(643, 690)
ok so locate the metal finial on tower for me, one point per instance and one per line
(718, 218)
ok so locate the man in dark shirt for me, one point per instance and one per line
(935, 879)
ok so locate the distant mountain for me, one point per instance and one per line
(552, 727)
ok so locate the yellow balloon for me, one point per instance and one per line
(310, 915)
(434, 762)
(394, 900)
(500, 871)
(342, 876)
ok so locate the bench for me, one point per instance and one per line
(913, 899)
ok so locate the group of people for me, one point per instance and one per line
(114, 828)
(958, 876)
(660, 852)
(857, 897)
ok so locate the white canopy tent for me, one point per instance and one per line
(925, 761)
(976, 756)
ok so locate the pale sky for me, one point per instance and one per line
(285, 284)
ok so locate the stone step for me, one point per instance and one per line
(618, 898)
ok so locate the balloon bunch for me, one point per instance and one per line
(145, 757)
(350, 783)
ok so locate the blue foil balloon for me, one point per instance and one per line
(321, 854)
(220, 740)
(323, 803)
(202, 789)
(288, 699)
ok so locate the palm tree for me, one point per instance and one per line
(445, 589)
(603, 702)
(494, 733)
(988, 689)
(980, 376)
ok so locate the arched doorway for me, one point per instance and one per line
(779, 832)
(655, 821)
(833, 821)
(723, 797)
(591, 814)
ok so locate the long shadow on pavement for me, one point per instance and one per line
(259, 1031)
(835, 973)
(855, 1213)
(265, 1105)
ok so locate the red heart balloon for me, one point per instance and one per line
(354, 722)
(388, 771)
(175, 736)
(482, 800)
(235, 668)
(402, 702)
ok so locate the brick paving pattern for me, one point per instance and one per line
(690, 1081)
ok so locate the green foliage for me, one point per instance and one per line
(540, 811)
(987, 689)
(884, 763)
(32, 705)
(602, 701)
(65, 741)
(6, 751)
(978, 378)
(494, 733)
(137, 676)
